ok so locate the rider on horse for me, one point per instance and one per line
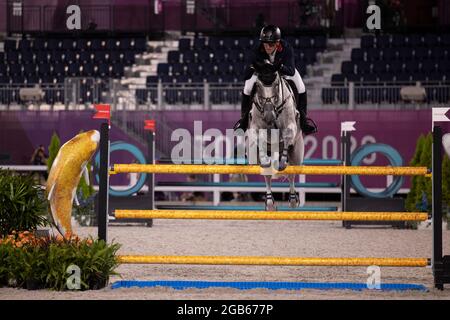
(274, 54)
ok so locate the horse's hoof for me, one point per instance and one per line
(270, 206)
(294, 200)
(265, 162)
(270, 203)
(283, 164)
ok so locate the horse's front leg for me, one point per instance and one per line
(270, 202)
(294, 199)
(288, 139)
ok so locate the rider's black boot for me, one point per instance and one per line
(307, 125)
(245, 112)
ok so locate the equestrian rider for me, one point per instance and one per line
(274, 54)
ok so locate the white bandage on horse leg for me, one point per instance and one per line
(298, 81)
(248, 87)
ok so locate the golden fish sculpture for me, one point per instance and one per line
(65, 174)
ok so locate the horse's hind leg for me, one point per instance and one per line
(270, 203)
(294, 200)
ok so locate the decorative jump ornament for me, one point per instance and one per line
(65, 174)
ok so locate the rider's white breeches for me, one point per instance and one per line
(296, 78)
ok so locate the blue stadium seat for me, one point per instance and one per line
(373, 54)
(103, 70)
(429, 66)
(184, 44)
(82, 44)
(85, 56)
(129, 57)
(416, 40)
(432, 40)
(17, 79)
(152, 79)
(347, 67)
(212, 78)
(32, 79)
(367, 41)
(125, 44)
(27, 57)
(391, 54)
(188, 57)
(117, 70)
(353, 78)
(192, 69)
(73, 69)
(369, 79)
(115, 56)
(383, 41)
(405, 53)
(24, 45)
(29, 69)
(197, 79)
(68, 44)
(139, 44)
(110, 44)
(379, 67)
(220, 55)
(87, 70)
(101, 56)
(10, 45)
(44, 69)
(69, 57)
(3, 69)
(396, 66)
(41, 57)
(419, 77)
(39, 44)
(58, 69)
(53, 44)
(56, 56)
(320, 42)
(12, 57)
(421, 53)
(386, 78)
(3, 80)
(15, 69)
(173, 56)
(205, 55)
(357, 55)
(337, 79)
(403, 78)
(199, 44)
(398, 40)
(94, 45)
(445, 40)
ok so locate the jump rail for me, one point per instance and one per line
(268, 215)
(275, 261)
(255, 169)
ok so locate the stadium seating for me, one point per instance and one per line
(394, 61)
(49, 61)
(218, 60)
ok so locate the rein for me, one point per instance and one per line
(278, 109)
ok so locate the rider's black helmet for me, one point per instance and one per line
(270, 33)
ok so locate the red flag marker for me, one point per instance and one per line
(103, 111)
(149, 125)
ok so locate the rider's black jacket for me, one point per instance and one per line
(284, 59)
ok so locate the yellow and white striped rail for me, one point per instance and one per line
(270, 215)
(255, 169)
(274, 261)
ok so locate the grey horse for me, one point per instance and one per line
(273, 107)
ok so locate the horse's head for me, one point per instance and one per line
(267, 96)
